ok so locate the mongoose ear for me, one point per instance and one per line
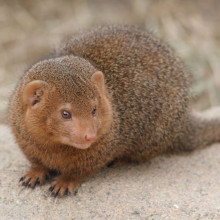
(33, 92)
(98, 79)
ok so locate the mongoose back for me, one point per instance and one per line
(117, 92)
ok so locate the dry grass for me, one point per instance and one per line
(30, 29)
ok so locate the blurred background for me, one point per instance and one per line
(32, 29)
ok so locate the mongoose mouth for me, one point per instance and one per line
(81, 145)
(71, 142)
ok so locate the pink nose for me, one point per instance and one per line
(90, 138)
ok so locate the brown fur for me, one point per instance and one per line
(143, 106)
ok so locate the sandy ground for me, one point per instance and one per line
(168, 187)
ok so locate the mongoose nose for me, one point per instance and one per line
(90, 138)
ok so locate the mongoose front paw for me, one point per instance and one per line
(62, 186)
(34, 177)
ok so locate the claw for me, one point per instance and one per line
(28, 180)
(26, 183)
(57, 193)
(67, 192)
(37, 182)
(22, 178)
(51, 188)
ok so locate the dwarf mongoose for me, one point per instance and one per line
(114, 93)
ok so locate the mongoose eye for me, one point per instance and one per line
(94, 111)
(66, 114)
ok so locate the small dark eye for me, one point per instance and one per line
(94, 111)
(66, 114)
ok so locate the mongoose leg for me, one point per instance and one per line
(66, 183)
(35, 176)
(63, 185)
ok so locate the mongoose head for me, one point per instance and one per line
(66, 102)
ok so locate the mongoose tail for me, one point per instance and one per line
(200, 131)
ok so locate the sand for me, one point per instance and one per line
(167, 187)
